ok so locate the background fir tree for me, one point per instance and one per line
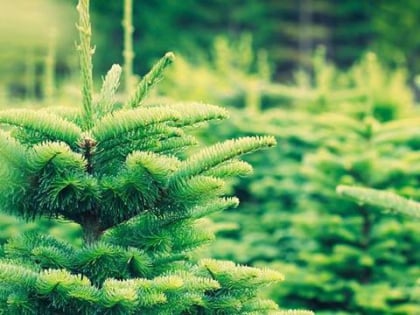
(289, 31)
(299, 26)
(367, 261)
(272, 226)
(122, 174)
(388, 202)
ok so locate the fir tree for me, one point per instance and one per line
(367, 262)
(124, 175)
(291, 217)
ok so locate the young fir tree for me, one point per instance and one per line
(367, 263)
(122, 175)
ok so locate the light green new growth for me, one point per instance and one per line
(85, 54)
(150, 79)
(106, 101)
(387, 200)
(219, 153)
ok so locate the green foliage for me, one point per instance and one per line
(352, 244)
(394, 41)
(348, 128)
(124, 175)
(334, 252)
(233, 75)
(11, 227)
(368, 88)
(289, 31)
(390, 202)
(387, 200)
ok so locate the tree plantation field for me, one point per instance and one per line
(269, 165)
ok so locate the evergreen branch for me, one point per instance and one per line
(147, 231)
(11, 274)
(85, 56)
(173, 145)
(149, 80)
(134, 189)
(42, 250)
(66, 194)
(53, 182)
(193, 113)
(102, 260)
(140, 292)
(133, 233)
(139, 262)
(61, 283)
(214, 206)
(386, 200)
(230, 169)
(160, 167)
(196, 189)
(122, 122)
(232, 276)
(137, 139)
(192, 282)
(225, 303)
(115, 151)
(18, 302)
(115, 203)
(57, 154)
(115, 292)
(189, 237)
(137, 230)
(163, 261)
(214, 155)
(51, 126)
(11, 152)
(50, 257)
(162, 283)
(259, 306)
(106, 101)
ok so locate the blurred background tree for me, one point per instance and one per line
(35, 37)
(289, 31)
